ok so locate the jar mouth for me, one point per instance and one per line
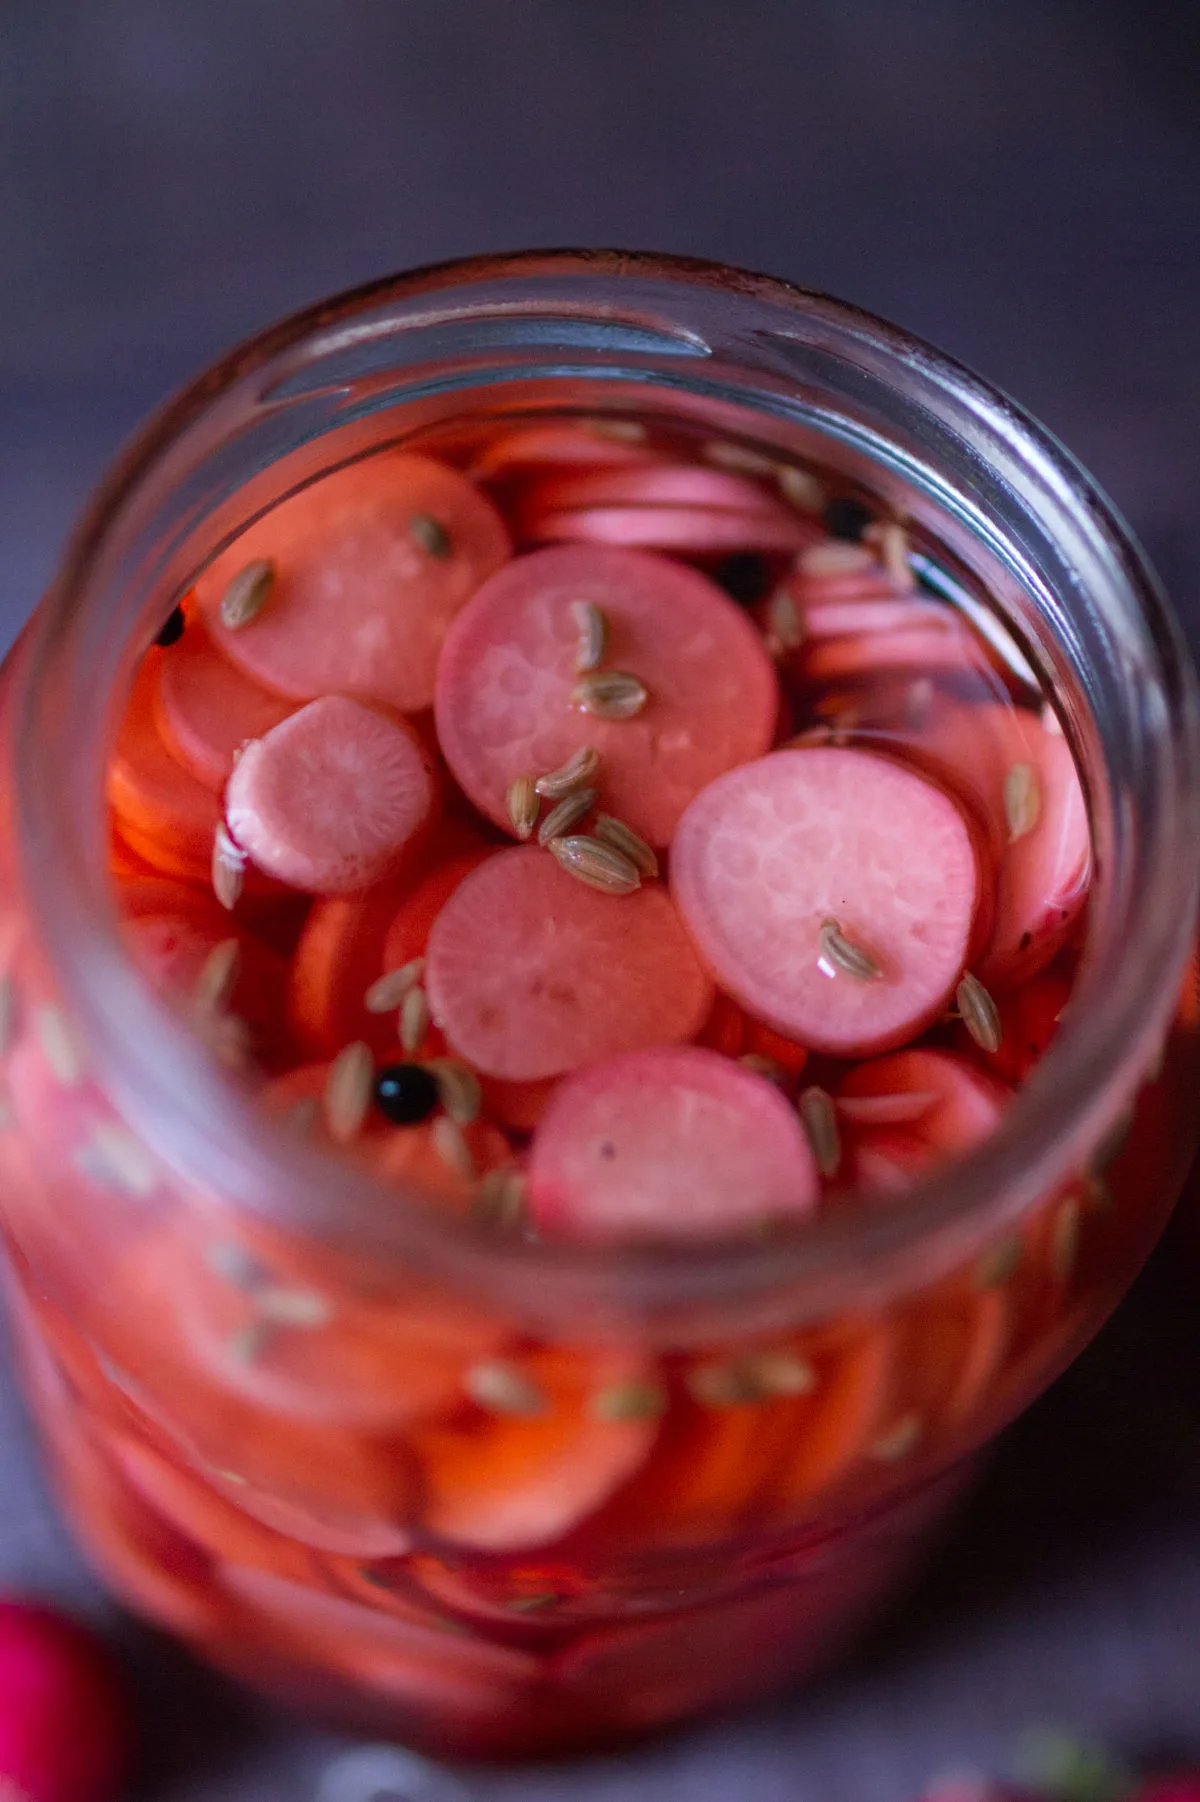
(1146, 813)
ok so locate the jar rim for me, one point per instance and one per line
(1035, 1148)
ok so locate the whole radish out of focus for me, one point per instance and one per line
(66, 1731)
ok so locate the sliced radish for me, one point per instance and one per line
(923, 646)
(331, 800)
(206, 709)
(348, 941)
(369, 566)
(775, 855)
(838, 618)
(1044, 873)
(694, 531)
(671, 1143)
(530, 973)
(903, 1114)
(165, 812)
(665, 485)
(507, 674)
(555, 445)
(537, 1449)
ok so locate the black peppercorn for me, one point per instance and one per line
(405, 1094)
(745, 576)
(847, 518)
(171, 630)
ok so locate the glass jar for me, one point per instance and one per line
(363, 1521)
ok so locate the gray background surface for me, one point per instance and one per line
(1018, 180)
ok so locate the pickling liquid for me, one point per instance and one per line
(610, 837)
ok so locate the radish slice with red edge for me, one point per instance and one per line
(901, 1115)
(675, 1143)
(692, 531)
(775, 856)
(507, 676)
(206, 709)
(368, 566)
(331, 800)
(1042, 880)
(530, 973)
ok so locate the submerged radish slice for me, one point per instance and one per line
(676, 1143)
(530, 973)
(900, 1115)
(507, 675)
(691, 530)
(165, 812)
(206, 710)
(1042, 880)
(331, 800)
(776, 855)
(555, 445)
(369, 567)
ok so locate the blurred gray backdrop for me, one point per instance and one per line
(1018, 180)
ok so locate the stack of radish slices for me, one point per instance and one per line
(665, 877)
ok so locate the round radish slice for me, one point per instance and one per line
(369, 567)
(695, 531)
(331, 800)
(529, 973)
(671, 1143)
(841, 618)
(206, 710)
(506, 678)
(787, 868)
(901, 1115)
(164, 811)
(1043, 876)
(558, 444)
(931, 648)
(665, 485)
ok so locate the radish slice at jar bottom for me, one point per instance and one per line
(206, 710)
(412, 1659)
(549, 1438)
(315, 1480)
(767, 1431)
(363, 572)
(150, 1565)
(195, 1509)
(508, 703)
(670, 1143)
(711, 1657)
(333, 799)
(294, 1352)
(901, 1115)
(832, 892)
(530, 973)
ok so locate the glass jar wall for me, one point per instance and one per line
(491, 1494)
